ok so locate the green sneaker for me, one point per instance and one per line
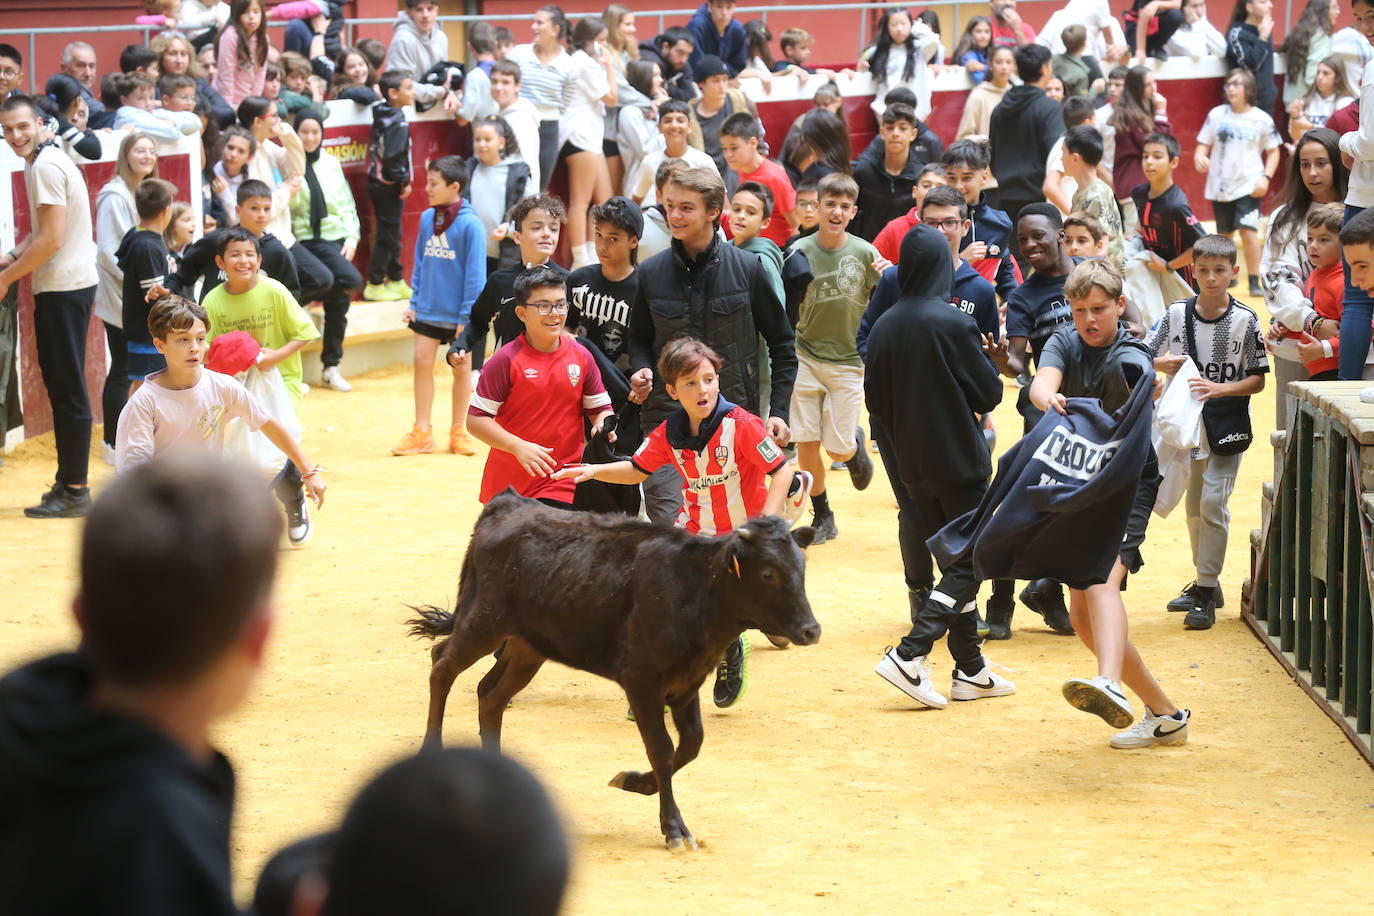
(399, 289)
(732, 677)
(376, 292)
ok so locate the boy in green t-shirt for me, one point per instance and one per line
(828, 395)
(253, 302)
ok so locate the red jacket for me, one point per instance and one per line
(889, 240)
(1326, 289)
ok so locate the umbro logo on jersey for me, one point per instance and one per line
(437, 247)
(531, 372)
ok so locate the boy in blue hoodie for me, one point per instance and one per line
(450, 269)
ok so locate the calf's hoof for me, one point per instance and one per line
(679, 843)
(630, 781)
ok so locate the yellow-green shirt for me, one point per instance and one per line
(270, 313)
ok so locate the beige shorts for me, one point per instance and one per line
(826, 403)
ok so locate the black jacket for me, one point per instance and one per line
(1062, 498)
(198, 262)
(679, 84)
(101, 813)
(927, 146)
(517, 181)
(388, 158)
(927, 376)
(495, 305)
(724, 298)
(1246, 50)
(883, 196)
(1024, 127)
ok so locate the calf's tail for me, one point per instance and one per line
(432, 623)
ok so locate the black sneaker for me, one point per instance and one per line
(298, 522)
(61, 502)
(1046, 598)
(825, 527)
(1203, 613)
(1255, 289)
(861, 465)
(980, 625)
(1184, 602)
(732, 677)
(1000, 609)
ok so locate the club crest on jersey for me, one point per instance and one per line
(768, 451)
(722, 454)
(574, 374)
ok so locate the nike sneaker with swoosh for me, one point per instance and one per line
(911, 678)
(981, 685)
(1152, 730)
(1100, 696)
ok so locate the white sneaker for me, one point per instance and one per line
(333, 378)
(298, 525)
(911, 678)
(1152, 730)
(1100, 696)
(981, 685)
(107, 454)
(797, 495)
(305, 388)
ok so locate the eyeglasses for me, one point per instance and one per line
(9, 73)
(550, 308)
(808, 204)
(947, 225)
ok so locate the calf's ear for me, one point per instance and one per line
(804, 536)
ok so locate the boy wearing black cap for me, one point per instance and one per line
(716, 103)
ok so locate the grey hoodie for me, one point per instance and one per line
(416, 54)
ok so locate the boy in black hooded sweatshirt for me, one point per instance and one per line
(1024, 126)
(115, 800)
(925, 380)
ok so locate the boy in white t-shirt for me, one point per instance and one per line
(1247, 156)
(186, 408)
(674, 123)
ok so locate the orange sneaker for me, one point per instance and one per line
(459, 442)
(416, 442)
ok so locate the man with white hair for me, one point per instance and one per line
(78, 62)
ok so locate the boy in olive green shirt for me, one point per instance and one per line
(828, 395)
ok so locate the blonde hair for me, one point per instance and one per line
(1097, 272)
(169, 234)
(161, 43)
(613, 15)
(125, 173)
(704, 181)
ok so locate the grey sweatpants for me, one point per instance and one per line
(1209, 489)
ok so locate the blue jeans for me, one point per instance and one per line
(1356, 312)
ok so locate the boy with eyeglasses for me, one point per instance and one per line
(533, 394)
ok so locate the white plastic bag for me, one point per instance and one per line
(254, 448)
(1177, 431)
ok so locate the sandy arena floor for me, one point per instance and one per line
(824, 790)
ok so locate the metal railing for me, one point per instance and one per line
(1311, 561)
(864, 11)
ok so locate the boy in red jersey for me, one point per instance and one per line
(535, 390)
(724, 454)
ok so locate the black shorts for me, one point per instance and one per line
(1241, 213)
(610, 148)
(434, 331)
(142, 365)
(570, 150)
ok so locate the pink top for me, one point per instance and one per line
(235, 81)
(158, 420)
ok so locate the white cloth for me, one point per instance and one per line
(523, 119)
(246, 442)
(637, 136)
(1360, 145)
(1318, 110)
(1054, 162)
(1177, 431)
(927, 46)
(1201, 39)
(583, 123)
(642, 187)
(1354, 52)
(1150, 291)
(1101, 120)
(53, 179)
(1094, 15)
(114, 215)
(1239, 140)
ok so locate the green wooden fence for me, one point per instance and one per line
(1311, 562)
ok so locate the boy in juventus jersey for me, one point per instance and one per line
(725, 457)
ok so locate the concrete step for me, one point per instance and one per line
(376, 337)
